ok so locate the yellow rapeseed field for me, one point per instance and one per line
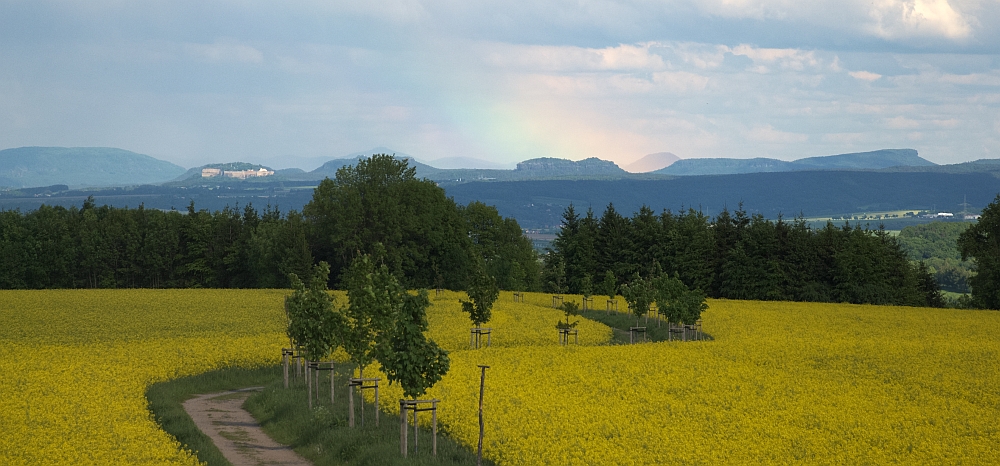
(777, 383)
(74, 365)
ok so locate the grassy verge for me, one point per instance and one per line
(621, 323)
(323, 437)
(166, 399)
(320, 435)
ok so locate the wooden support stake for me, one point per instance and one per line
(482, 386)
(309, 388)
(376, 403)
(402, 427)
(284, 363)
(350, 406)
(331, 382)
(434, 425)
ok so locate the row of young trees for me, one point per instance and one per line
(382, 322)
(428, 240)
(736, 256)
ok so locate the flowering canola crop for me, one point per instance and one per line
(75, 365)
(776, 383)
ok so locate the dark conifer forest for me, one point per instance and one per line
(737, 256)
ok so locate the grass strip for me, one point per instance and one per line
(166, 404)
(621, 323)
(322, 435)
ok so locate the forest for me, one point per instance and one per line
(936, 244)
(429, 240)
(736, 256)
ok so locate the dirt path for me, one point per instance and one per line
(237, 435)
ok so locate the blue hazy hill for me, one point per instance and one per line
(874, 160)
(81, 166)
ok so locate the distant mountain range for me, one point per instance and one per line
(652, 162)
(82, 167)
(535, 192)
(874, 160)
(26, 167)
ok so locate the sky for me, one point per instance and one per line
(196, 82)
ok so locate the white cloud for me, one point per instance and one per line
(864, 75)
(767, 134)
(793, 59)
(888, 19)
(948, 123)
(975, 79)
(225, 52)
(901, 122)
(569, 58)
(680, 81)
(844, 138)
(895, 19)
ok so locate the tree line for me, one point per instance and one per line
(428, 240)
(736, 256)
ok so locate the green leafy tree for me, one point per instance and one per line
(586, 286)
(639, 294)
(508, 255)
(483, 292)
(554, 274)
(380, 200)
(688, 306)
(312, 323)
(413, 361)
(929, 286)
(609, 286)
(375, 302)
(666, 291)
(570, 309)
(981, 243)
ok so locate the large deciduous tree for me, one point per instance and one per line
(981, 242)
(380, 200)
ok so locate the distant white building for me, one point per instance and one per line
(945, 214)
(239, 174)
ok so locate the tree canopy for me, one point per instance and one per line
(981, 243)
